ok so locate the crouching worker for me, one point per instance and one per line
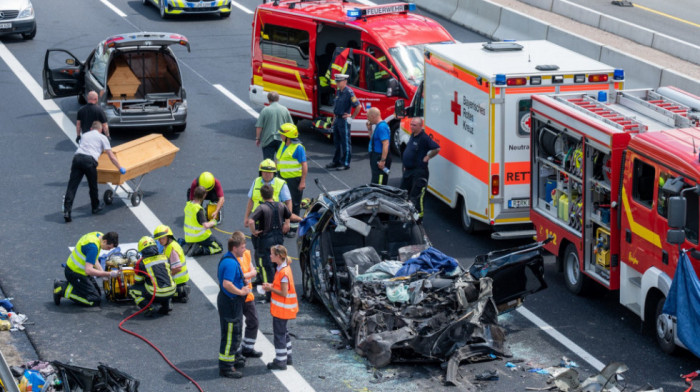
(81, 269)
(197, 228)
(283, 307)
(157, 267)
(178, 263)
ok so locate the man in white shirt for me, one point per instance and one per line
(92, 144)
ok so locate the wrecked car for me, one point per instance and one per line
(136, 75)
(366, 258)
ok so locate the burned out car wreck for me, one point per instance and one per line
(397, 299)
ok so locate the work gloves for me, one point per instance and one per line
(122, 170)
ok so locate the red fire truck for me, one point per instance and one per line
(603, 173)
(294, 43)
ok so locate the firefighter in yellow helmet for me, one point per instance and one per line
(178, 263)
(158, 283)
(292, 167)
(214, 194)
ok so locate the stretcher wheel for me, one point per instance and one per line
(136, 198)
(109, 196)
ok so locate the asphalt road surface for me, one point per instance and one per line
(35, 154)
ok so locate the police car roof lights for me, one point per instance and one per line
(392, 8)
(619, 74)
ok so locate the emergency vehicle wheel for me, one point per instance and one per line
(136, 198)
(468, 224)
(307, 285)
(574, 279)
(161, 3)
(108, 196)
(664, 329)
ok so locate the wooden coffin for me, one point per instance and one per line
(138, 157)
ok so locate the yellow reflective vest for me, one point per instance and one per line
(194, 232)
(277, 185)
(286, 164)
(76, 260)
(158, 268)
(183, 276)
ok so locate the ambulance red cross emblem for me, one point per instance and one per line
(455, 108)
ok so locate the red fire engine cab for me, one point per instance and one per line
(601, 169)
(294, 44)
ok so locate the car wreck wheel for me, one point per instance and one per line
(308, 285)
(664, 329)
(574, 279)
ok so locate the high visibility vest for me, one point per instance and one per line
(183, 276)
(158, 268)
(285, 308)
(381, 73)
(246, 267)
(277, 185)
(286, 164)
(76, 260)
(194, 232)
(339, 66)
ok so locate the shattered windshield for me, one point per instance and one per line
(409, 60)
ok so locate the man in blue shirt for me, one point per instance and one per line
(229, 302)
(292, 166)
(419, 150)
(379, 159)
(346, 107)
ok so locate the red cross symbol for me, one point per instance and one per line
(455, 107)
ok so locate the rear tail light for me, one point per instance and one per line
(598, 78)
(495, 185)
(516, 81)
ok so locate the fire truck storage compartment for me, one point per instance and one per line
(136, 74)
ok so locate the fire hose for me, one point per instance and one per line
(121, 327)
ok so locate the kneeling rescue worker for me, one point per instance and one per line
(178, 263)
(157, 267)
(214, 194)
(197, 227)
(82, 267)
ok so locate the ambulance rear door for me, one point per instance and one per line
(286, 65)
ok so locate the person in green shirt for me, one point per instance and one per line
(269, 122)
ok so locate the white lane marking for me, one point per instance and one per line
(113, 8)
(290, 378)
(241, 7)
(559, 337)
(255, 114)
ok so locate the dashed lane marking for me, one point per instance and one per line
(290, 378)
(113, 8)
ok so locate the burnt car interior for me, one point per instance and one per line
(141, 74)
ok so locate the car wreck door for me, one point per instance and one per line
(62, 74)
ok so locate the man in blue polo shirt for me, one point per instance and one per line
(419, 150)
(379, 159)
(346, 108)
(229, 302)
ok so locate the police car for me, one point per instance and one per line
(178, 7)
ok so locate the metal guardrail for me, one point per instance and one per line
(8, 381)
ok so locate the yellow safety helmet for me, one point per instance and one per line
(289, 130)
(145, 242)
(207, 180)
(162, 231)
(268, 165)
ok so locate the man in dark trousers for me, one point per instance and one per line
(346, 108)
(89, 113)
(229, 303)
(273, 218)
(379, 158)
(419, 150)
(84, 163)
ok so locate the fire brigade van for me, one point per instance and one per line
(476, 104)
(605, 169)
(294, 43)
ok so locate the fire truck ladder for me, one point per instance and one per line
(656, 106)
(602, 112)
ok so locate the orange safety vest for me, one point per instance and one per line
(285, 308)
(246, 267)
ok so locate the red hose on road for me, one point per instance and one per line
(121, 327)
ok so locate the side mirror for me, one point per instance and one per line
(676, 212)
(400, 108)
(393, 88)
(675, 236)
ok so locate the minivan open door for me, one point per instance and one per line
(62, 74)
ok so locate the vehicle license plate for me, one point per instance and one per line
(519, 203)
(201, 4)
(5, 26)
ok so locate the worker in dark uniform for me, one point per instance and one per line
(229, 303)
(419, 150)
(274, 218)
(157, 267)
(81, 269)
(346, 108)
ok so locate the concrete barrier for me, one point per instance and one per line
(576, 12)
(444, 8)
(543, 4)
(675, 47)
(627, 30)
(638, 72)
(480, 16)
(670, 77)
(516, 25)
(574, 42)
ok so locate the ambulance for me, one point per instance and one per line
(476, 101)
(294, 43)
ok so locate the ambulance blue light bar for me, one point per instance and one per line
(380, 10)
(619, 74)
(500, 80)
